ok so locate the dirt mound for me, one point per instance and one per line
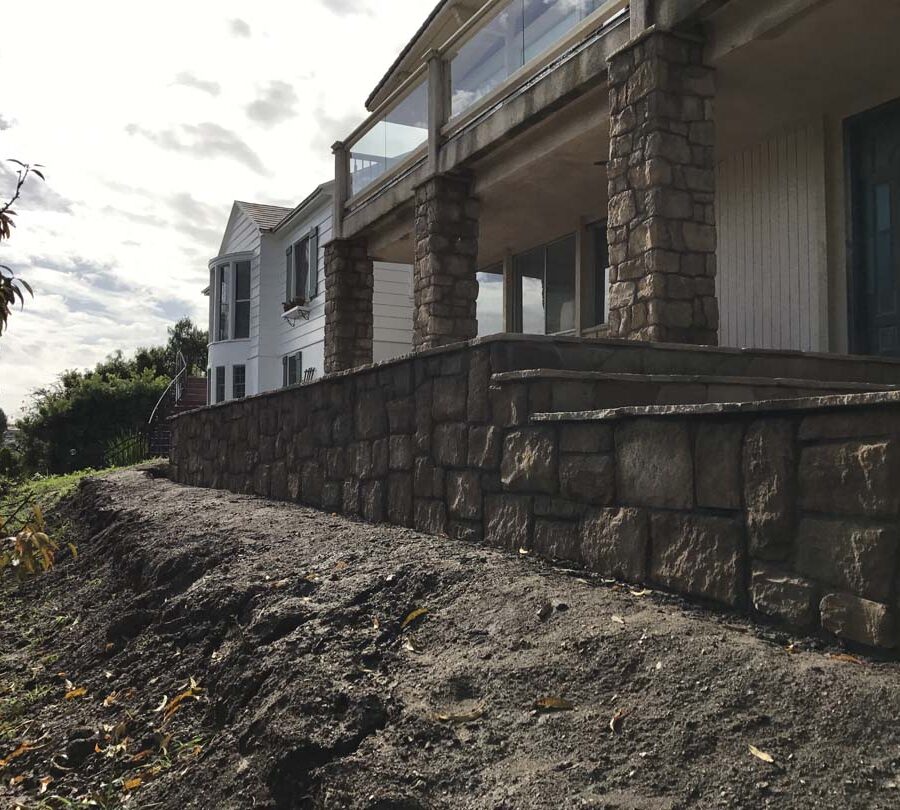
(210, 650)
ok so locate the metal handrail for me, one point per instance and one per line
(179, 361)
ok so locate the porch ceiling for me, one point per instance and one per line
(836, 57)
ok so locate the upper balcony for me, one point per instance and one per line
(505, 48)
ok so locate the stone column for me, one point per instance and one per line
(445, 286)
(662, 231)
(349, 282)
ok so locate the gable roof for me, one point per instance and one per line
(323, 192)
(265, 217)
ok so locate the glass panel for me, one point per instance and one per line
(242, 300)
(238, 381)
(400, 131)
(884, 260)
(488, 58)
(521, 31)
(489, 305)
(220, 383)
(222, 296)
(560, 281)
(597, 283)
(529, 269)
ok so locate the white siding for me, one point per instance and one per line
(772, 275)
(393, 310)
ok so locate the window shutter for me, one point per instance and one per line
(284, 371)
(288, 274)
(313, 276)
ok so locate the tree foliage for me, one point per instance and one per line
(11, 287)
(70, 424)
(4, 423)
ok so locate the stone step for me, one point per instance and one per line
(557, 390)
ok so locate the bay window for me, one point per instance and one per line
(230, 300)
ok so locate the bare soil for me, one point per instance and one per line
(241, 653)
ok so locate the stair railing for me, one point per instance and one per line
(177, 382)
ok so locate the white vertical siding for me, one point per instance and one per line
(772, 275)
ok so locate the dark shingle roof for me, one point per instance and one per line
(265, 217)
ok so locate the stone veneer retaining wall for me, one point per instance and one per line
(785, 509)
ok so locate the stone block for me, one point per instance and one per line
(428, 480)
(450, 444)
(770, 488)
(370, 414)
(860, 620)
(654, 465)
(698, 555)
(585, 438)
(400, 499)
(464, 494)
(851, 424)
(508, 521)
(588, 478)
(615, 542)
(466, 530)
(350, 502)
(557, 540)
(851, 478)
(478, 403)
(848, 555)
(484, 447)
(449, 399)
(335, 463)
(509, 404)
(372, 497)
(401, 416)
(332, 494)
(784, 596)
(311, 483)
(380, 458)
(717, 464)
(430, 516)
(547, 506)
(401, 453)
(530, 461)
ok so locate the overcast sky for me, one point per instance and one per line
(151, 118)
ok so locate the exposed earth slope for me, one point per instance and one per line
(240, 653)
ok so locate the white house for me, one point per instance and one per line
(267, 299)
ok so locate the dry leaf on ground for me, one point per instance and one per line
(761, 754)
(553, 704)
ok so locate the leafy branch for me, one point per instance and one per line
(10, 286)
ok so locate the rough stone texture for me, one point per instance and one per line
(717, 465)
(431, 517)
(464, 495)
(770, 490)
(349, 282)
(784, 596)
(614, 542)
(449, 399)
(647, 477)
(556, 540)
(588, 478)
(400, 499)
(529, 461)
(508, 521)
(373, 501)
(446, 262)
(661, 173)
(860, 620)
(484, 447)
(854, 557)
(585, 438)
(450, 445)
(698, 555)
(855, 478)
(401, 453)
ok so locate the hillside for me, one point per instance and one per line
(211, 650)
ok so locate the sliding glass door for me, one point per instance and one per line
(544, 289)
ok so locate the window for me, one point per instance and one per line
(241, 300)
(291, 365)
(302, 270)
(222, 330)
(209, 386)
(489, 304)
(599, 277)
(544, 284)
(220, 383)
(238, 381)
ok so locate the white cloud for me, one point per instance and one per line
(116, 242)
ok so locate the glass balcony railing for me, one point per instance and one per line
(519, 31)
(500, 39)
(393, 136)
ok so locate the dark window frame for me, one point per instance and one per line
(238, 386)
(220, 384)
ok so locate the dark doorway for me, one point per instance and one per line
(873, 141)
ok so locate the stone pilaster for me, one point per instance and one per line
(348, 305)
(446, 262)
(662, 230)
